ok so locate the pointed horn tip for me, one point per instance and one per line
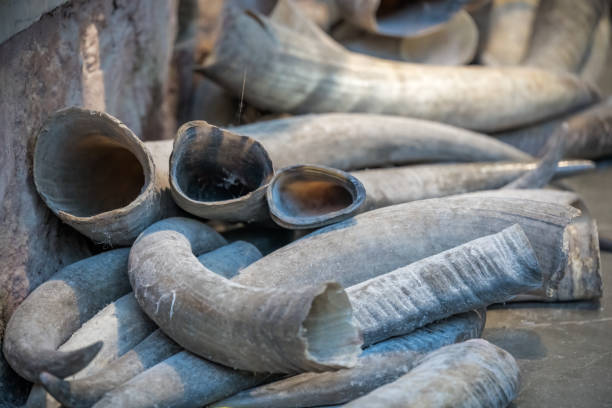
(92, 350)
(76, 360)
(58, 388)
(50, 382)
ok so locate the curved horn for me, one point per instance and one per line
(219, 175)
(58, 307)
(266, 330)
(309, 196)
(562, 33)
(476, 372)
(378, 365)
(401, 234)
(317, 78)
(488, 270)
(396, 185)
(192, 381)
(371, 140)
(366, 140)
(511, 244)
(85, 390)
(119, 326)
(97, 177)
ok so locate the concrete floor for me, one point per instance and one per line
(564, 350)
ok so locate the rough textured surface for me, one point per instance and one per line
(86, 390)
(487, 270)
(378, 365)
(47, 318)
(257, 329)
(297, 72)
(563, 349)
(474, 374)
(381, 240)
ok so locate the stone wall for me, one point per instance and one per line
(109, 55)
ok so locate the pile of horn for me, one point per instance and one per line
(412, 221)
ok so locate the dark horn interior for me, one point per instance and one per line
(305, 196)
(312, 195)
(83, 168)
(219, 166)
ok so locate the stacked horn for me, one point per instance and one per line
(345, 252)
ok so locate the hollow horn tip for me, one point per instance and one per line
(95, 174)
(311, 196)
(219, 175)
